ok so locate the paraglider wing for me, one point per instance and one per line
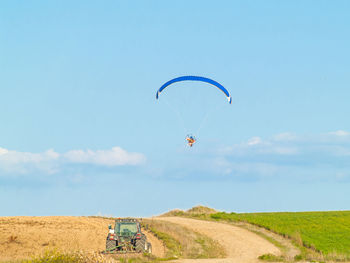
(195, 78)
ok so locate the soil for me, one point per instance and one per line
(240, 244)
(290, 250)
(158, 248)
(23, 237)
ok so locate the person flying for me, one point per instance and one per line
(190, 140)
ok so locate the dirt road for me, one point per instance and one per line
(240, 244)
(158, 248)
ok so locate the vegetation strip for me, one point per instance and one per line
(183, 242)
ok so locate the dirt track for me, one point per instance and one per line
(158, 248)
(241, 245)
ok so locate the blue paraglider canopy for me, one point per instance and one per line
(195, 78)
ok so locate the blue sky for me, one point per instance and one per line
(80, 126)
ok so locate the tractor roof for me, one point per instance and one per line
(129, 220)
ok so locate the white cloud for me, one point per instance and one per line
(50, 162)
(254, 141)
(3, 151)
(287, 154)
(258, 146)
(114, 157)
(27, 157)
(340, 133)
(21, 162)
(335, 143)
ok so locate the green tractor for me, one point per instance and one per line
(126, 237)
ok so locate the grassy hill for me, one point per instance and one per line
(326, 232)
(196, 211)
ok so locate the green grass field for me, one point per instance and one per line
(326, 232)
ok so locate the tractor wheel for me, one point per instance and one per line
(149, 248)
(110, 244)
(140, 245)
